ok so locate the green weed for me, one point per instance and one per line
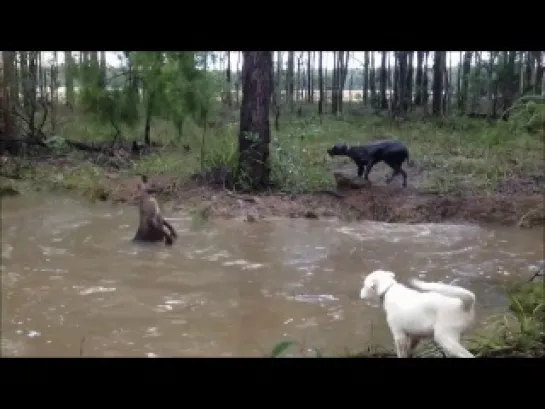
(452, 153)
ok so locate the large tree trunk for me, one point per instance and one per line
(437, 82)
(383, 81)
(7, 129)
(229, 97)
(298, 88)
(103, 70)
(40, 76)
(425, 81)
(95, 75)
(372, 80)
(289, 82)
(276, 91)
(147, 123)
(254, 136)
(509, 80)
(54, 91)
(320, 85)
(466, 67)
(31, 90)
(334, 84)
(309, 79)
(69, 78)
(539, 69)
(402, 81)
(15, 82)
(343, 71)
(237, 82)
(419, 77)
(365, 78)
(445, 95)
(410, 73)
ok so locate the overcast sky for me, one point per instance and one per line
(356, 58)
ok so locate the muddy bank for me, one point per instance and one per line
(379, 203)
(506, 352)
(516, 202)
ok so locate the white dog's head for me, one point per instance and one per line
(376, 283)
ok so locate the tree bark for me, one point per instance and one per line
(69, 78)
(410, 73)
(466, 67)
(372, 80)
(309, 79)
(509, 80)
(32, 78)
(289, 82)
(15, 82)
(7, 128)
(365, 78)
(229, 97)
(254, 136)
(334, 84)
(276, 92)
(54, 88)
(147, 124)
(437, 82)
(320, 85)
(538, 82)
(402, 81)
(419, 77)
(425, 81)
(343, 71)
(383, 80)
(103, 70)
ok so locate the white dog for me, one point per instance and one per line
(444, 312)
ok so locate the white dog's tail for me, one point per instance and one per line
(467, 297)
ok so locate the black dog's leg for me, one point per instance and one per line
(397, 170)
(368, 169)
(361, 168)
(404, 174)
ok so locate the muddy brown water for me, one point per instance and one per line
(228, 288)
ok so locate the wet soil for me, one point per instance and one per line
(371, 202)
(516, 201)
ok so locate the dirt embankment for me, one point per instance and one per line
(517, 201)
(369, 202)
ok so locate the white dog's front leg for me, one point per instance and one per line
(402, 344)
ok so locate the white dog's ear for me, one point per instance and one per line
(391, 274)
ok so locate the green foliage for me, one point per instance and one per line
(528, 300)
(106, 106)
(110, 106)
(527, 113)
(522, 332)
(296, 165)
(281, 347)
(179, 89)
(453, 153)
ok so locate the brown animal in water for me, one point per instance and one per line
(151, 226)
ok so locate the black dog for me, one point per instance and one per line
(391, 152)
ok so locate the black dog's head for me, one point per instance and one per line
(338, 149)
